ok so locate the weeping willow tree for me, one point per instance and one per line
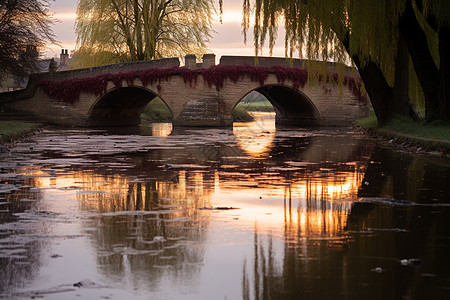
(111, 31)
(381, 37)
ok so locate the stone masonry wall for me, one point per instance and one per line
(196, 105)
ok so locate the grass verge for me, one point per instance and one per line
(157, 111)
(10, 130)
(263, 106)
(240, 114)
(429, 131)
(435, 136)
(368, 122)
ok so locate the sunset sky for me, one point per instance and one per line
(228, 39)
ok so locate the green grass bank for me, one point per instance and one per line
(11, 130)
(434, 136)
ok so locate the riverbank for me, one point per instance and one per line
(410, 135)
(11, 131)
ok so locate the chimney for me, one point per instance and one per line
(64, 57)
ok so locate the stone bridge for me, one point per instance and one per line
(199, 94)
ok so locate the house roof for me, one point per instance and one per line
(43, 65)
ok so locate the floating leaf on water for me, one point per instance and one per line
(91, 192)
(177, 220)
(130, 213)
(283, 169)
(159, 239)
(167, 257)
(218, 208)
(388, 229)
(176, 238)
(386, 201)
(377, 270)
(27, 200)
(299, 163)
(184, 166)
(163, 267)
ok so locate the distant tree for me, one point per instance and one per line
(111, 31)
(381, 37)
(25, 27)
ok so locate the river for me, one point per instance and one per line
(251, 212)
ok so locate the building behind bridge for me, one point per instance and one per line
(46, 65)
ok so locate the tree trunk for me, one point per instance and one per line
(379, 91)
(138, 31)
(400, 101)
(444, 69)
(426, 70)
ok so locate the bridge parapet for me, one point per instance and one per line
(164, 63)
(285, 62)
(208, 60)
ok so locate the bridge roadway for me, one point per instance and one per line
(199, 94)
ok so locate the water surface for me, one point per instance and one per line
(252, 212)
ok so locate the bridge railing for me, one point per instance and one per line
(227, 60)
(117, 68)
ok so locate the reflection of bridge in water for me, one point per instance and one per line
(202, 95)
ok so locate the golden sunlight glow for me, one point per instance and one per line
(311, 203)
(66, 16)
(162, 129)
(255, 138)
(102, 193)
(235, 16)
(316, 203)
(232, 16)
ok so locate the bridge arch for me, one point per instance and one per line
(292, 106)
(121, 107)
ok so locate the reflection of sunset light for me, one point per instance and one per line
(346, 189)
(216, 182)
(319, 204)
(38, 176)
(302, 219)
(315, 204)
(110, 193)
(182, 183)
(161, 129)
(256, 137)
